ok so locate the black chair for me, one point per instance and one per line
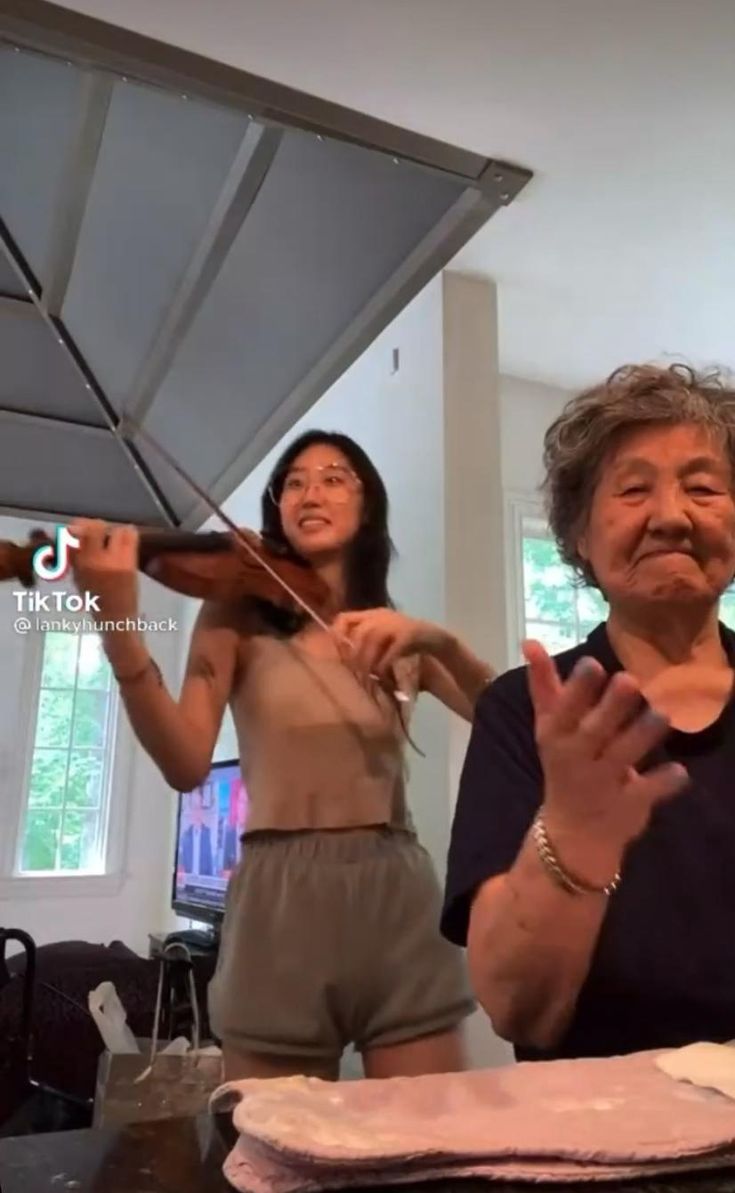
(28, 1106)
(15, 1052)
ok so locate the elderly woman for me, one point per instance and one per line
(592, 863)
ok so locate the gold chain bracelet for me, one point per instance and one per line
(561, 876)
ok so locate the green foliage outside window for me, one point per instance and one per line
(64, 813)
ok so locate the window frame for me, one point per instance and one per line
(519, 504)
(16, 884)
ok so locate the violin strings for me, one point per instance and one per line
(242, 538)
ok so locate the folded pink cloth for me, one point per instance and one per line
(250, 1173)
(557, 1121)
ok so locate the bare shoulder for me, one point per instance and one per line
(236, 618)
(219, 642)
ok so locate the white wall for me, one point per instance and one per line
(527, 409)
(132, 901)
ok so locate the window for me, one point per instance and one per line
(727, 608)
(64, 821)
(557, 610)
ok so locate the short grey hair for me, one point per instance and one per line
(577, 444)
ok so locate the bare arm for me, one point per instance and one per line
(529, 948)
(455, 676)
(180, 736)
(374, 639)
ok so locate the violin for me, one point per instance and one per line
(208, 565)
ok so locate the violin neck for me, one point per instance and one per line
(163, 542)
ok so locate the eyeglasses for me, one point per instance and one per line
(338, 482)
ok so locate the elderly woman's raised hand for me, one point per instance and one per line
(592, 731)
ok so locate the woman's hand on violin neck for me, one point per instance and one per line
(372, 640)
(105, 564)
(592, 732)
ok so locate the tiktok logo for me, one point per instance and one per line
(52, 561)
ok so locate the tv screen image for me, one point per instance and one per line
(211, 820)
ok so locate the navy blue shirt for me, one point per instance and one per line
(663, 970)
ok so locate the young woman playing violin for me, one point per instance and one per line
(331, 931)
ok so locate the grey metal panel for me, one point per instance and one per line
(217, 338)
(9, 281)
(180, 495)
(69, 472)
(161, 166)
(38, 103)
(37, 374)
(250, 166)
(331, 222)
(74, 187)
(84, 39)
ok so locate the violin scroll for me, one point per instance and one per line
(16, 559)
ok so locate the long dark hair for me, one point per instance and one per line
(370, 553)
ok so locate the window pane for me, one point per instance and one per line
(64, 817)
(90, 718)
(592, 609)
(94, 669)
(59, 660)
(727, 609)
(558, 610)
(554, 637)
(84, 788)
(79, 840)
(40, 840)
(54, 718)
(539, 553)
(547, 586)
(48, 779)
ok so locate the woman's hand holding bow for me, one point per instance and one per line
(372, 640)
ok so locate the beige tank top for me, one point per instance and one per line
(318, 750)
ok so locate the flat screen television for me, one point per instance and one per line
(209, 824)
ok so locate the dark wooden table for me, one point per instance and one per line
(186, 1156)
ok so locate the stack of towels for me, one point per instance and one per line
(558, 1121)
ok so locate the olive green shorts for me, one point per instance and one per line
(331, 939)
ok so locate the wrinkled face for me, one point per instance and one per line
(321, 503)
(662, 521)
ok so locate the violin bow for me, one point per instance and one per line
(126, 420)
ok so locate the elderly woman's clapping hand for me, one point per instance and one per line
(592, 732)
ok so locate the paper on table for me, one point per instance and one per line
(109, 1015)
(710, 1066)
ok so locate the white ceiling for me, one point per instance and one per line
(623, 246)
